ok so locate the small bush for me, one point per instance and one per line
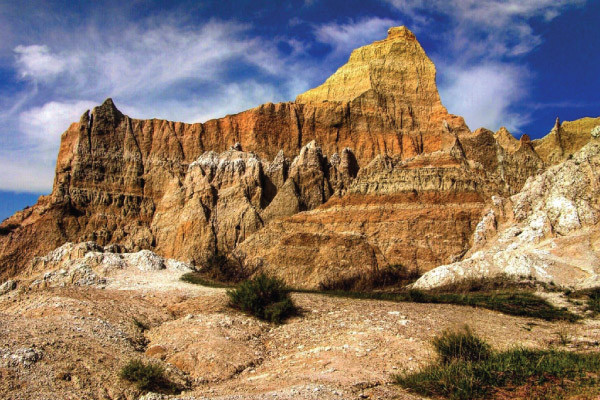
(564, 336)
(147, 377)
(461, 345)
(219, 268)
(264, 297)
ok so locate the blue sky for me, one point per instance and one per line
(514, 63)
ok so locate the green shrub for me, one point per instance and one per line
(264, 297)
(544, 374)
(462, 345)
(147, 377)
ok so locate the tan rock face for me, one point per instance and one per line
(565, 139)
(402, 180)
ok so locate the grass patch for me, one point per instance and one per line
(462, 345)
(512, 302)
(198, 278)
(264, 297)
(481, 373)
(148, 377)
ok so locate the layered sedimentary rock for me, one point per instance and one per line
(366, 170)
(565, 139)
(549, 231)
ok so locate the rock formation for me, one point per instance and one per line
(549, 231)
(366, 170)
(565, 139)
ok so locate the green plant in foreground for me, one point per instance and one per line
(479, 372)
(264, 297)
(147, 377)
(461, 344)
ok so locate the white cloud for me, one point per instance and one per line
(152, 68)
(43, 125)
(23, 172)
(38, 63)
(483, 94)
(487, 28)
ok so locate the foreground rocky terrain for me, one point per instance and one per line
(69, 338)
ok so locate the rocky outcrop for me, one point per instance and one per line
(565, 139)
(88, 264)
(368, 166)
(549, 231)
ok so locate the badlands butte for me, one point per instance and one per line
(364, 173)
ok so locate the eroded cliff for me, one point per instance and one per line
(366, 170)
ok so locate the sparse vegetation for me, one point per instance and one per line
(468, 369)
(391, 276)
(593, 301)
(219, 270)
(508, 297)
(590, 296)
(264, 297)
(198, 278)
(563, 335)
(148, 377)
(499, 294)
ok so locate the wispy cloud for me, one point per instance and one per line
(485, 93)
(148, 67)
(347, 36)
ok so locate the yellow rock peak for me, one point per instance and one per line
(395, 68)
(397, 32)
